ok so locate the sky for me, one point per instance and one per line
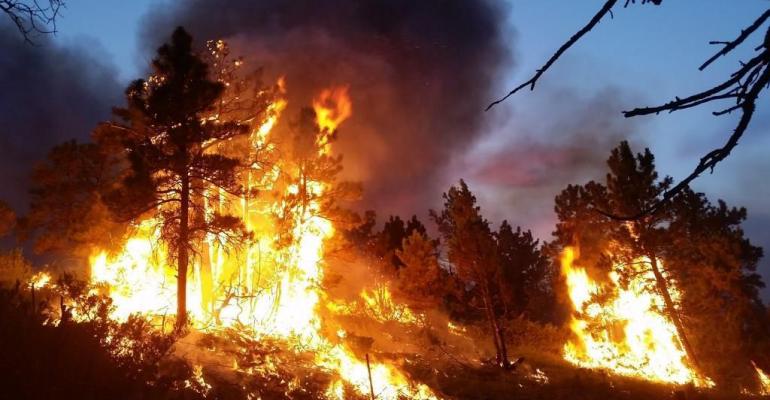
(644, 55)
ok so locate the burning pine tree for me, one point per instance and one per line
(666, 295)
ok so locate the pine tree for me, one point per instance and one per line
(165, 128)
(524, 270)
(67, 215)
(472, 250)
(714, 267)
(690, 244)
(421, 278)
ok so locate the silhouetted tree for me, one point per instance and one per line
(525, 271)
(472, 250)
(362, 235)
(742, 87)
(631, 186)
(165, 129)
(389, 240)
(714, 267)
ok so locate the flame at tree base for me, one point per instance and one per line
(262, 291)
(627, 333)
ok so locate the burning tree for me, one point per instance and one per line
(166, 128)
(670, 255)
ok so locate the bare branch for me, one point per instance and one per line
(710, 160)
(564, 47)
(729, 46)
(708, 95)
(31, 17)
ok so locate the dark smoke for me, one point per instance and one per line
(419, 74)
(48, 94)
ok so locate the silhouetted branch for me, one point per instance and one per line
(732, 85)
(709, 161)
(31, 16)
(531, 82)
(729, 46)
(744, 85)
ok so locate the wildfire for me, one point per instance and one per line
(332, 106)
(270, 292)
(40, 280)
(764, 382)
(626, 333)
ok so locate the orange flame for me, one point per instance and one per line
(282, 286)
(332, 107)
(626, 334)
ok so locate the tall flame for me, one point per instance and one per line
(332, 107)
(282, 287)
(627, 333)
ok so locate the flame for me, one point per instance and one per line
(332, 107)
(40, 280)
(281, 287)
(764, 382)
(626, 334)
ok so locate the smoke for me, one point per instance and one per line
(518, 171)
(419, 74)
(50, 94)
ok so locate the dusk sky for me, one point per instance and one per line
(529, 149)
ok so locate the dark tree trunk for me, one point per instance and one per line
(182, 252)
(662, 285)
(497, 333)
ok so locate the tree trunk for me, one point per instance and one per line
(182, 253)
(499, 340)
(205, 274)
(662, 285)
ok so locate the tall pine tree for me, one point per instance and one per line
(165, 128)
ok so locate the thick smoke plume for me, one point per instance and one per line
(419, 74)
(49, 94)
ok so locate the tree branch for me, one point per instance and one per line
(564, 47)
(730, 46)
(709, 161)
